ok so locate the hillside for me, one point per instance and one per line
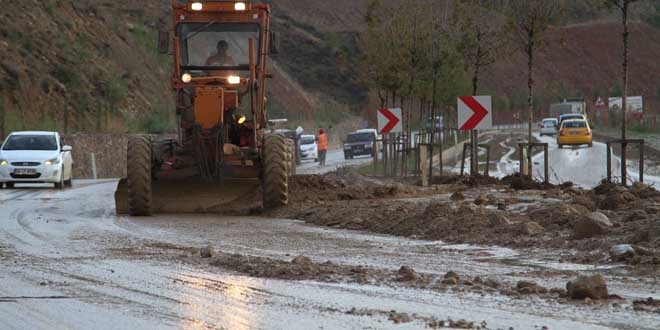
(81, 66)
(583, 60)
(92, 66)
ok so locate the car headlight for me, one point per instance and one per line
(3, 162)
(54, 161)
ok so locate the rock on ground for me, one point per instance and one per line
(498, 219)
(407, 274)
(592, 224)
(301, 260)
(594, 287)
(531, 228)
(622, 252)
(206, 252)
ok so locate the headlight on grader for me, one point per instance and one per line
(240, 6)
(234, 80)
(186, 78)
(196, 6)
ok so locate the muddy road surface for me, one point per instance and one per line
(68, 262)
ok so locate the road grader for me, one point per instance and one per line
(223, 152)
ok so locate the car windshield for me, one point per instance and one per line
(307, 140)
(360, 137)
(206, 46)
(575, 124)
(549, 123)
(30, 142)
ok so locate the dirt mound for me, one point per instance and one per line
(332, 187)
(294, 270)
(610, 196)
(559, 216)
(518, 182)
(468, 180)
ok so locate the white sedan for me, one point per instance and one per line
(308, 148)
(35, 157)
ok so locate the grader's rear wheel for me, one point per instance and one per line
(275, 171)
(138, 168)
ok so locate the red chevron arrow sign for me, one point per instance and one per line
(389, 121)
(474, 112)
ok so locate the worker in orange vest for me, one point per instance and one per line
(322, 143)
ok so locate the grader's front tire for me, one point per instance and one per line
(275, 172)
(138, 168)
(291, 161)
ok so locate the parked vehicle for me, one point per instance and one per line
(35, 157)
(359, 144)
(574, 132)
(377, 136)
(548, 126)
(308, 147)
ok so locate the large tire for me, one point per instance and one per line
(138, 169)
(275, 172)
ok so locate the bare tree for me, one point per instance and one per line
(479, 38)
(529, 21)
(623, 6)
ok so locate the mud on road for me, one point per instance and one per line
(491, 212)
(407, 264)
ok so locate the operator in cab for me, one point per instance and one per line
(221, 57)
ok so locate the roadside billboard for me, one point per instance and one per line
(634, 104)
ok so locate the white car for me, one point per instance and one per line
(308, 147)
(548, 126)
(35, 157)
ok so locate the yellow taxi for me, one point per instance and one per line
(574, 132)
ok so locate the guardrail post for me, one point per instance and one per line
(546, 168)
(465, 147)
(423, 168)
(93, 156)
(641, 161)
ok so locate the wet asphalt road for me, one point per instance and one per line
(68, 262)
(334, 159)
(584, 166)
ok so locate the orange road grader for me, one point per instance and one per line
(223, 152)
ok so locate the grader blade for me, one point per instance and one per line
(193, 195)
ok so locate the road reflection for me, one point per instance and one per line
(232, 298)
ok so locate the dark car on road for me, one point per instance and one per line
(359, 144)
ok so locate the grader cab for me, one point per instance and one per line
(223, 153)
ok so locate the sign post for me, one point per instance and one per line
(389, 122)
(474, 113)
